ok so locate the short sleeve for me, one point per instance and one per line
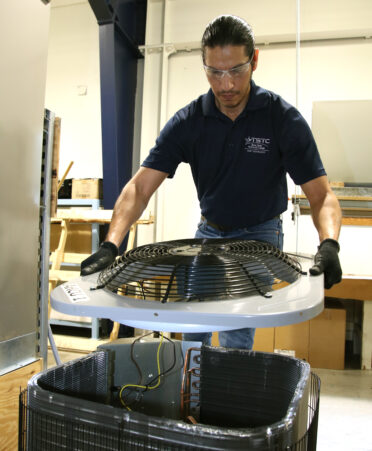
(300, 154)
(168, 151)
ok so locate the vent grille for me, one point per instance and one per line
(196, 270)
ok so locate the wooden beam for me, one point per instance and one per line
(59, 275)
(91, 216)
(71, 257)
(60, 183)
(357, 221)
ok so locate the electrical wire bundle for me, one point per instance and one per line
(131, 394)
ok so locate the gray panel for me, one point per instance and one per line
(23, 49)
(17, 352)
(165, 400)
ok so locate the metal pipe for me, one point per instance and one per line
(298, 55)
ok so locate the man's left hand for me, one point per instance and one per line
(326, 261)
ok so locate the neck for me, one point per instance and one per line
(233, 112)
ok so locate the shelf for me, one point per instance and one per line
(61, 261)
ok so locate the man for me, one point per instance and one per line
(240, 141)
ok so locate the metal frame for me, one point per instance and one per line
(121, 29)
(95, 205)
(45, 199)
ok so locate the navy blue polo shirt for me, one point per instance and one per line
(239, 167)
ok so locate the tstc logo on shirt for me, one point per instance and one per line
(256, 145)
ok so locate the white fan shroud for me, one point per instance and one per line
(297, 302)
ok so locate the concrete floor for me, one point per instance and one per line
(345, 414)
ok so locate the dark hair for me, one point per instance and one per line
(228, 30)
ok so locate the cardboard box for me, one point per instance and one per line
(320, 341)
(327, 339)
(264, 339)
(294, 337)
(79, 238)
(215, 340)
(86, 189)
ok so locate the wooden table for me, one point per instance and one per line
(66, 217)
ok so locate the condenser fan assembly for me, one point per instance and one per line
(198, 285)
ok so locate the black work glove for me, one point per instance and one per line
(105, 255)
(327, 262)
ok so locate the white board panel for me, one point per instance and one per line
(343, 133)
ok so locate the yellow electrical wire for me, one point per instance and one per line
(145, 386)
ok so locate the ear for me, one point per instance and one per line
(255, 60)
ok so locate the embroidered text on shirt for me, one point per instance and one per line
(256, 145)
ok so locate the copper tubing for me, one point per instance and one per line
(186, 397)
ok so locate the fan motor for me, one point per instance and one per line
(198, 270)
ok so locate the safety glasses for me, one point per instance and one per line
(235, 72)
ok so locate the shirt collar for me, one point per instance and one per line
(258, 98)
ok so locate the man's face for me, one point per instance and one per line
(232, 89)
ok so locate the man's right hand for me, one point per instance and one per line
(105, 255)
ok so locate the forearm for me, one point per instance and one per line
(326, 214)
(132, 202)
(127, 210)
(327, 217)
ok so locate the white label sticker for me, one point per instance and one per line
(74, 292)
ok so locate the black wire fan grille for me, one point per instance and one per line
(200, 270)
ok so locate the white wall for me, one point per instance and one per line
(73, 91)
(329, 70)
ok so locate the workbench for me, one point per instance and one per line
(356, 206)
(65, 266)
